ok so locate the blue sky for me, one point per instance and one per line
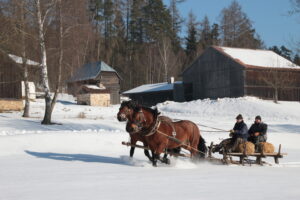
(270, 17)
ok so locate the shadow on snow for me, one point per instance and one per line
(78, 157)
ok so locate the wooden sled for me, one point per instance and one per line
(227, 157)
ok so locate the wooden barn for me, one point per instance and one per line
(97, 79)
(11, 77)
(236, 72)
(151, 94)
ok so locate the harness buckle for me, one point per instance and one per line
(174, 133)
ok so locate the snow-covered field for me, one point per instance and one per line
(83, 157)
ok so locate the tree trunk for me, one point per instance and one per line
(61, 53)
(24, 63)
(44, 69)
(26, 84)
(276, 95)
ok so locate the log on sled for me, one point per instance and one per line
(147, 148)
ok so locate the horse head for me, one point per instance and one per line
(143, 118)
(126, 110)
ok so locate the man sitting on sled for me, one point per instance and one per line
(238, 134)
(258, 132)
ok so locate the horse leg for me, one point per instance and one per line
(133, 142)
(147, 154)
(166, 159)
(155, 157)
(160, 150)
(131, 151)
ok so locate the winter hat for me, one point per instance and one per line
(239, 116)
(258, 117)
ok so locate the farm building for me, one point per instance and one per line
(11, 85)
(95, 84)
(151, 94)
(235, 72)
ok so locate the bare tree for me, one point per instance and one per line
(278, 79)
(165, 49)
(41, 19)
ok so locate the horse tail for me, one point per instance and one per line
(202, 147)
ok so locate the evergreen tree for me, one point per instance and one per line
(136, 25)
(215, 34)
(283, 51)
(236, 28)
(297, 60)
(205, 34)
(176, 23)
(191, 40)
(158, 21)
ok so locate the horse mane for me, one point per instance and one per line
(153, 111)
(137, 107)
(130, 104)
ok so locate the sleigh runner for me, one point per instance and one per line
(244, 156)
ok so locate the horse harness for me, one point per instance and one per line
(155, 129)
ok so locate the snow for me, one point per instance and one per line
(258, 57)
(18, 60)
(95, 87)
(152, 87)
(83, 157)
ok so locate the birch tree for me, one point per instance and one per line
(41, 20)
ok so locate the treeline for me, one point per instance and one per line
(141, 39)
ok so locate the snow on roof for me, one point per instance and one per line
(258, 57)
(95, 87)
(91, 71)
(152, 88)
(18, 60)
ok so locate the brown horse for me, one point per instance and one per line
(125, 113)
(161, 136)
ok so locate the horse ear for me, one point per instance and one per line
(137, 108)
(156, 111)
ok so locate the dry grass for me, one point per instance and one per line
(266, 147)
(81, 115)
(250, 148)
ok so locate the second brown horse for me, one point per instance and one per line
(161, 136)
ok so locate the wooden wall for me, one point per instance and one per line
(10, 78)
(109, 79)
(152, 98)
(289, 90)
(112, 82)
(213, 75)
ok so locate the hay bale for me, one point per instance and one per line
(11, 105)
(266, 147)
(250, 148)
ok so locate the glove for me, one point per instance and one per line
(231, 133)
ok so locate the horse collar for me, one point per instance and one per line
(154, 129)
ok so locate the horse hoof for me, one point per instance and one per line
(167, 161)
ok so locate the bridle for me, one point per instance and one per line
(139, 123)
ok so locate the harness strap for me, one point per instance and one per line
(154, 129)
(178, 141)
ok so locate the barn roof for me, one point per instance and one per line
(91, 71)
(19, 60)
(156, 87)
(257, 57)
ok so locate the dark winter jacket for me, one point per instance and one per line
(259, 127)
(240, 130)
